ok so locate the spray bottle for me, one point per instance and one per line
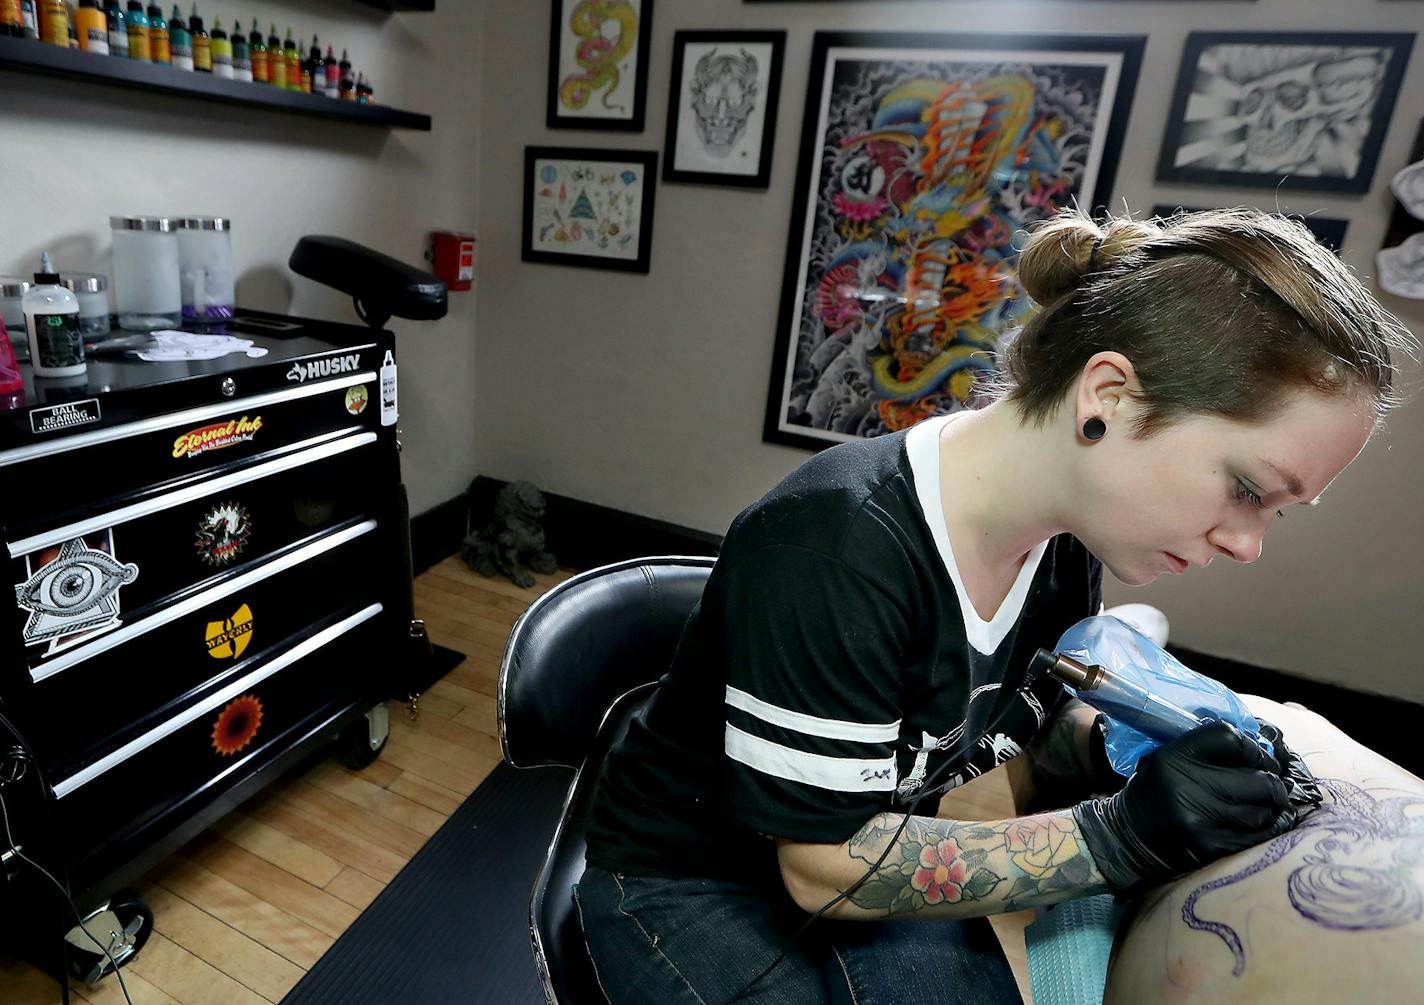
(12, 385)
(52, 320)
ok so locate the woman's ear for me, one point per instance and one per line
(1105, 388)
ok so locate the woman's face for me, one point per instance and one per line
(1208, 486)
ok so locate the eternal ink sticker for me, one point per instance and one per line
(217, 436)
(72, 590)
(237, 724)
(65, 416)
(222, 533)
(228, 639)
(357, 398)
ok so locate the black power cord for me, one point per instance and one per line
(14, 767)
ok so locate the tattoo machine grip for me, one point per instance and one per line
(1117, 697)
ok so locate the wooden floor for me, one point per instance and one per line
(249, 906)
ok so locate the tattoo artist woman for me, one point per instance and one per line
(862, 639)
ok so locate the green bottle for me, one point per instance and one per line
(293, 61)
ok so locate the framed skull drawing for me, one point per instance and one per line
(722, 110)
(924, 157)
(1297, 110)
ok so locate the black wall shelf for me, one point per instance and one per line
(29, 55)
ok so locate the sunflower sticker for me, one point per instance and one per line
(237, 724)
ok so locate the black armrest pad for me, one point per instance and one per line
(378, 281)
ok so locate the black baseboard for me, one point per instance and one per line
(436, 534)
(584, 535)
(1386, 725)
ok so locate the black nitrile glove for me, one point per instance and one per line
(1209, 793)
(1301, 787)
(1105, 779)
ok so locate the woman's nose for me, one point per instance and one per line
(1240, 542)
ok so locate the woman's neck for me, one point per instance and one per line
(1001, 486)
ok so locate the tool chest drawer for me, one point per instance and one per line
(182, 646)
(145, 458)
(208, 565)
(91, 575)
(226, 731)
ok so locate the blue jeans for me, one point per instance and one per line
(700, 941)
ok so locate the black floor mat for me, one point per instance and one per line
(453, 926)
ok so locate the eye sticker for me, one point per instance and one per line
(72, 591)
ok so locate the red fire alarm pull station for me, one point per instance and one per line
(454, 258)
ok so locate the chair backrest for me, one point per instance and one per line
(584, 643)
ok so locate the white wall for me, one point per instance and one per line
(647, 393)
(72, 154)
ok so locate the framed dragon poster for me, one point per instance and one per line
(923, 158)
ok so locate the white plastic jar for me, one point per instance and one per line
(92, 290)
(146, 288)
(205, 267)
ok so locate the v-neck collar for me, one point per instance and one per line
(922, 448)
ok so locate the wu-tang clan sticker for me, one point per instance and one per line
(237, 724)
(72, 590)
(227, 640)
(222, 534)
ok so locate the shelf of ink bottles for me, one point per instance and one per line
(138, 47)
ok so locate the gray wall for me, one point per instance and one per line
(647, 393)
(71, 154)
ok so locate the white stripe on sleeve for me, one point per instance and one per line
(831, 729)
(839, 774)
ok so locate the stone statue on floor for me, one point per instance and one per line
(513, 538)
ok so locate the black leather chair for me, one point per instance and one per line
(579, 663)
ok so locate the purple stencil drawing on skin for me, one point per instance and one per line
(1374, 889)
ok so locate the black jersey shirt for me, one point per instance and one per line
(834, 668)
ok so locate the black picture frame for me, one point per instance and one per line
(770, 95)
(557, 119)
(1090, 154)
(1328, 230)
(1206, 168)
(647, 159)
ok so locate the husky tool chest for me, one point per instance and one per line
(207, 555)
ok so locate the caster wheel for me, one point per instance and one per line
(122, 927)
(362, 741)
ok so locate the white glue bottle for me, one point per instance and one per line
(389, 411)
(52, 320)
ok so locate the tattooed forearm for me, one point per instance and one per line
(964, 869)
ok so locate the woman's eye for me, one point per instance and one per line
(1244, 491)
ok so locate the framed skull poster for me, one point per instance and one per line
(598, 64)
(923, 158)
(1296, 110)
(722, 110)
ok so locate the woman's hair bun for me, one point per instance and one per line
(1060, 252)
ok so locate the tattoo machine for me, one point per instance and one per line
(1148, 697)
